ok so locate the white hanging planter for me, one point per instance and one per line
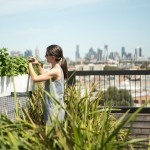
(5, 86)
(22, 83)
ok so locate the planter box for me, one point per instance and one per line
(22, 83)
(5, 86)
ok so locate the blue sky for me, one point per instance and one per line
(31, 24)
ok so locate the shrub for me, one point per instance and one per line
(86, 126)
(10, 66)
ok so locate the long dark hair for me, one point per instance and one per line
(56, 50)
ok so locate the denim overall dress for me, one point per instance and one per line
(53, 95)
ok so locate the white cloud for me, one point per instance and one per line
(16, 6)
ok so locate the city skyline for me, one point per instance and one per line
(87, 23)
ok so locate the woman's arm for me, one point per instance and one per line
(41, 69)
(36, 62)
(53, 73)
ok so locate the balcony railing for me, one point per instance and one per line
(133, 85)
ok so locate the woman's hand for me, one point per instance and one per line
(33, 60)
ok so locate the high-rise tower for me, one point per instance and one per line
(105, 56)
(123, 52)
(77, 54)
(138, 52)
(99, 55)
(37, 53)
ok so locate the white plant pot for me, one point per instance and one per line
(5, 86)
(22, 83)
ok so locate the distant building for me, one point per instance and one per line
(28, 53)
(77, 53)
(123, 52)
(16, 53)
(105, 54)
(111, 55)
(138, 52)
(37, 53)
(91, 56)
(89, 67)
(116, 56)
(129, 56)
(99, 55)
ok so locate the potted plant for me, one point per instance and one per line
(14, 74)
(5, 73)
(21, 80)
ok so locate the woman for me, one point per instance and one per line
(54, 82)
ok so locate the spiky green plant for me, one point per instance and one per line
(86, 126)
(89, 126)
(35, 106)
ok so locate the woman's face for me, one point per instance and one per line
(49, 58)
